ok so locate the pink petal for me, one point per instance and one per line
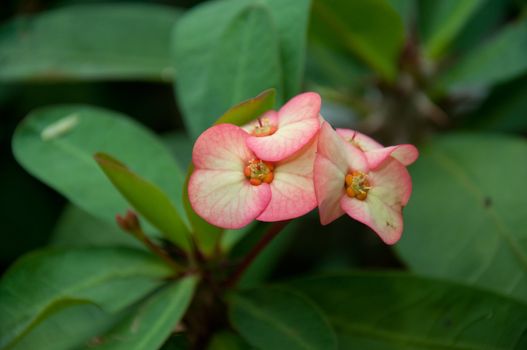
(329, 189)
(222, 147)
(299, 108)
(377, 153)
(386, 221)
(225, 198)
(285, 142)
(298, 122)
(292, 190)
(364, 142)
(392, 183)
(341, 153)
(382, 209)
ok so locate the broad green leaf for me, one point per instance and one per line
(370, 29)
(154, 320)
(275, 318)
(441, 21)
(226, 52)
(147, 199)
(495, 61)
(466, 218)
(206, 235)
(57, 144)
(180, 144)
(227, 340)
(76, 228)
(291, 20)
(44, 282)
(99, 41)
(392, 311)
(68, 329)
(483, 24)
(504, 108)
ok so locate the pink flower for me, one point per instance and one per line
(231, 185)
(370, 188)
(278, 135)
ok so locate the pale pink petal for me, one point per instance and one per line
(342, 154)
(225, 198)
(406, 154)
(391, 182)
(375, 152)
(222, 147)
(329, 189)
(385, 220)
(292, 190)
(299, 108)
(364, 142)
(270, 117)
(286, 141)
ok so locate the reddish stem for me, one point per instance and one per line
(260, 122)
(273, 231)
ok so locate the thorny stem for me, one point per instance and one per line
(273, 231)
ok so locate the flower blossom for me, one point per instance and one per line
(231, 185)
(278, 135)
(370, 184)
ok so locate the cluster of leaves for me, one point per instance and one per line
(395, 64)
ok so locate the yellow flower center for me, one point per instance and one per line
(264, 128)
(357, 185)
(257, 172)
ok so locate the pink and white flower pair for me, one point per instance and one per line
(285, 164)
(263, 171)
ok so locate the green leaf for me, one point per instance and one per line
(180, 145)
(67, 329)
(407, 10)
(291, 21)
(275, 318)
(76, 228)
(147, 199)
(226, 52)
(42, 283)
(102, 41)
(56, 144)
(154, 320)
(371, 29)
(441, 21)
(248, 110)
(227, 340)
(392, 311)
(504, 108)
(495, 61)
(466, 218)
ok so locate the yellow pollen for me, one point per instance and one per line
(264, 128)
(258, 172)
(357, 185)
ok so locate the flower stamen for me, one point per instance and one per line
(258, 172)
(264, 128)
(357, 185)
